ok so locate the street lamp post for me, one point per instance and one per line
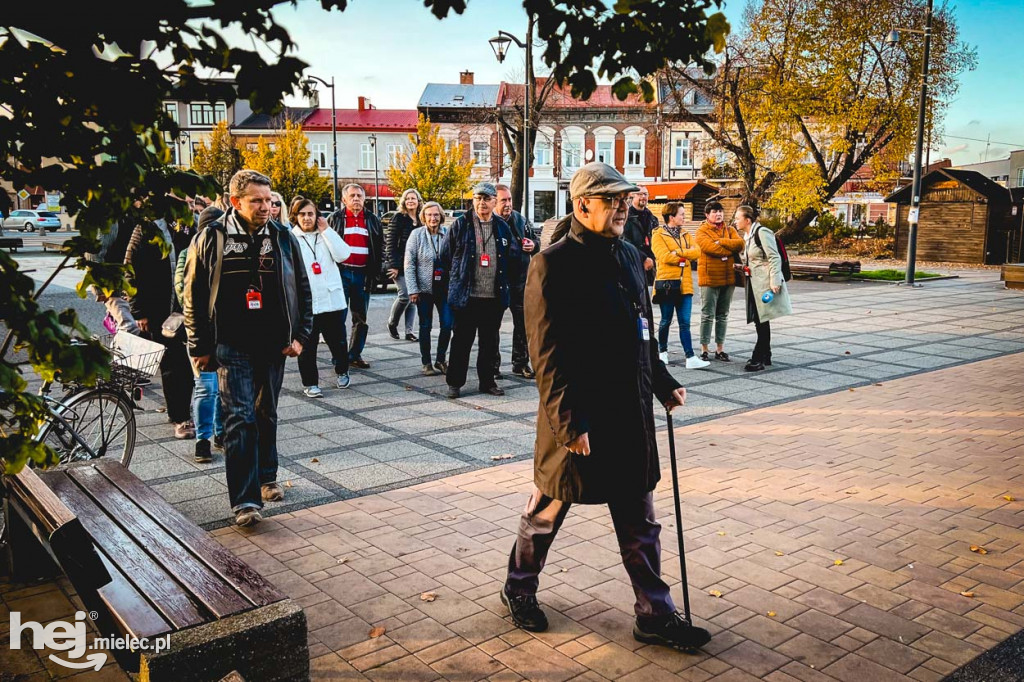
(376, 182)
(914, 214)
(499, 44)
(311, 82)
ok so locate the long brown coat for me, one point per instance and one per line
(585, 297)
(716, 260)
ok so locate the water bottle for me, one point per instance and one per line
(767, 296)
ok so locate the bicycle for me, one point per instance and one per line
(100, 420)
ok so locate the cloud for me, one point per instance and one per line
(956, 150)
(974, 122)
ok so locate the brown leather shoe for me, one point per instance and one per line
(271, 492)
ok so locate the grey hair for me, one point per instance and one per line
(351, 185)
(430, 204)
(749, 212)
(241, 180)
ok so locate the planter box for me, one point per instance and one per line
(1013, 275)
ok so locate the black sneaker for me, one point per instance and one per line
(393, 330)
(704, 356)
(411, 337)
(753, 366)
(675, 632)
(203, 455)
(218, 441)
(722, 355)
(493, 390)
(526, 612)
(359, 363)
(454, 392)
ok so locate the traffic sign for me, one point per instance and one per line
(23, 195)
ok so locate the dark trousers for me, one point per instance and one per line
(332, 326)
(763, 347)
(520, 352)
(483, 315)
(638, 535)
(176, 377)
(425, 305)
(358, 297)
(249, 387)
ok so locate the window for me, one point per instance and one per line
(206, 114)
(393, 151)
(1020, 177)
(634, 153)
(318, 155)
(366, 156)
(171, 108)
(481, 154)
(681, 153)
(571, 153)
(252, 146)
(542, 153)
(606, 152)
(690, 97)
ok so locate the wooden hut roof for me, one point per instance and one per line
(973, 180)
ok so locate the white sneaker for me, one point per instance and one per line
(344, 381)
(313, 392)
(696, 363)
(663, 357)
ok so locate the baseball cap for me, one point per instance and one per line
(598, 178)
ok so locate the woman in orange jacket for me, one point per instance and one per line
(673, 286)
(720, 246)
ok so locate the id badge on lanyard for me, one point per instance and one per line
(253, 299)
(643, 328)
(485, 260)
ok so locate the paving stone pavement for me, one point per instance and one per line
(393, 428)
(834, 531)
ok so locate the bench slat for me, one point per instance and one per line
(131, 612)
(166, 595)
(254, 586)
(208, 588)
(37, 496)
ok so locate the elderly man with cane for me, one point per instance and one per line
(586, 301)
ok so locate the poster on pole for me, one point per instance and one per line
(53, 201)
(913, 215)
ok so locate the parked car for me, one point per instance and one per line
(28, 221)
(450, 216)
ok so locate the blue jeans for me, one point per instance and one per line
(682, 310)
(249, 387)
(206, 407)
(425, 305)
(354, 280)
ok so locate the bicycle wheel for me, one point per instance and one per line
(103, 419)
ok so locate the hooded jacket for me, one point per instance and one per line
(202, 281)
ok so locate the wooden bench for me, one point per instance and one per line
(11, 243)
(1012, 275)
(148, 572)
(813, 268)
(52, 246)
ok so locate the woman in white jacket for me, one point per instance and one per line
(321, 249)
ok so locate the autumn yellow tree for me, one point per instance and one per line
(808, 92)
(288, 164)
(434, 167)
(218, 156)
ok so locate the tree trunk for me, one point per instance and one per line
(796, 225)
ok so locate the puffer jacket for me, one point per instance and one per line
(715, 268)
(202, 283)
(420, 260)
(672, 257)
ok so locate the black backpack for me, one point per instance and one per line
(787, 273)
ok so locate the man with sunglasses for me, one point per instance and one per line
(586, 303)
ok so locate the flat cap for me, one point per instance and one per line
(485, 188)
(599, 178)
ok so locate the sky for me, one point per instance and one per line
(388, 50)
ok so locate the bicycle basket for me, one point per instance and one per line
(134, 358)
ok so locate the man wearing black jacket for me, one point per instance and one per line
(586, 301)
(248, 307)
(639, 227)
(362, 231)
(524, 233)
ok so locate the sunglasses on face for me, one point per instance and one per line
(612, 199)
(275, 203)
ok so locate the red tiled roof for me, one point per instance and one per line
(602, 98)
(366, 119)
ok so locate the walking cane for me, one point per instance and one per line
(679, 515)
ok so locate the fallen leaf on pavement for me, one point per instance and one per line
(314, 460)
(851, 390)
(837, 562)
(564, 570)
(846, 353)
(966, 593)
(495, 458)
(721, 532)
(377, 632)
(408, 388)
(851, 492)
(771, 614)
(779, 554)
(1009, 498)
(715, 593)
(287, 484)
(428, 596)
(978, 550)
(343, 560)
(477, 408)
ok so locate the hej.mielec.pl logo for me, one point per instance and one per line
(71, 638)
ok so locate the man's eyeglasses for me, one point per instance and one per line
(613, 199)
